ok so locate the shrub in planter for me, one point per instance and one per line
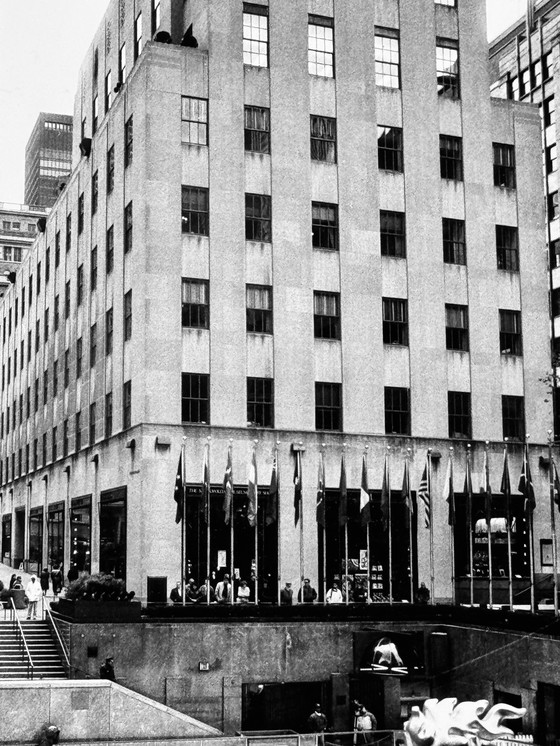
(98, 587)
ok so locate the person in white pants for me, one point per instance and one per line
(34, 592)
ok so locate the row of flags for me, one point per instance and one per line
(424, 491)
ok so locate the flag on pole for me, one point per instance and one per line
(228, 489)
(526, 483)
(365, 500)
(556, 486)
(272, 503)
(180, 482)
(505, 487)
(343, 503)
(487, 489)
(205, 491)
(321, 491)
(450, 493)
(385, 494)
(467, 490)
(252, 490)
(424, 493)
(297, 488)
(406, 492)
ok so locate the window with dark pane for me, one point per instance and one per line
(507, 248)
(454, 242)
(324, 226)
(397, 410)
(259, 309)
(328, 406)
(390, 148)
(257, 129)
(258, 222)
(392, 233)
(459, 414)
(326, 315)
(510, 333)
(260, 402)
(195, 397)
(395, 321)
(195, 303)
(323, 139)
(194, 210)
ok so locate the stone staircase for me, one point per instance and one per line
(43, 651)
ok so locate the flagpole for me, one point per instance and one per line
(469, 518)
(208, 524)
(256, 525)
(488, 506)
(452, 532)
(410, 532)
(389, 526)
(324, 527)
(551, 468)
(432, 578)
(368, 549)
(508, 524)
(529, 516)
(183, 521)
(278, 532)
(301, 552)
(231, 530)
(345, 537)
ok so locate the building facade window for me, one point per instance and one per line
(81, 211)
(551, 158)
(194, 114)
(255, 35)
(92, 422)
(323, 139)
(513, 417)
(195, 397)
(128, 142)
(459, 414)
(447, 68)
(65, 438)
(110, 169)
(260, 402)
(92, 345)
(511, 342)
(93, 269)
(549, 111)
(127, 405)
(94, 192)
(94, 114)
(397, 410)
(451, 157)
(387, 58)
(127, 228)
(109, 331)
(257, 129)
(454, 241)
(80, 285)
(392, 231)
(456, 327)
(258, 220)
(395, 321)
(54, 443)
(328, 406)
(66, 368)
(194, 210)
(507, 248)
(137, 36)
(156, 15)
(326, 315)
(259, 309)
(122, 64)
(504, 165)
(79, 355)
(390, 148)
(108, 414)
(320, 46)
(127, 318)
(67, 300)
(195, 309)
(108, 91)
(109, 250)
(553, 206)
(324, 226)
(78, 431)
(68, 232)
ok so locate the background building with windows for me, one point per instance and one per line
(48, 159)
(18, 229)
(313, 232)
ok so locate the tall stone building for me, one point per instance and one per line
(48, 159)
(311, 231)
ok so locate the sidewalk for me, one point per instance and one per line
(6, 573)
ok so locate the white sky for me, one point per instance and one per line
(42, 45)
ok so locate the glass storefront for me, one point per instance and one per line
(7, 539)
(112, 533)
(55, 526)
(35, 540)
(80, 533)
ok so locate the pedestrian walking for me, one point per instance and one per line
(317, 723)
(107, 670)
(34, 592)
(56, 579)
(44, 581)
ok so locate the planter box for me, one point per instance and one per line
(98, 611)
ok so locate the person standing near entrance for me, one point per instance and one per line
(33, 592)
(107, 670)
(364, 725)
(317, 722)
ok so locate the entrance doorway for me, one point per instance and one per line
(282, 706)
(548, 714)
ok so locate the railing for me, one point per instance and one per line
(21, 639)
(61, 645)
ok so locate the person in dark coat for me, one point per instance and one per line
(317, 723)
(287, 595)
(56, 579)
(73, 574)
(44, 580)
(309, 593)
(12, 581)
(107, 670)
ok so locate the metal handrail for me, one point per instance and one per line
(58, 637)
(21, 640)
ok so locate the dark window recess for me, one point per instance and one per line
(395, 321)
(459, 414)
(259, 309)
(451, 157)
(323, 139)
(507, 248)
(454, 242)
(195, 304)
(195, 397)
(328, 406)
(447, 68)
(324, 226)
(194, 210)
(553, 208)
(390, 148)
(397, 411)
(392, 234)
(260, 402)
(128, 142)
(257, 129)
(456, 327)
(326, 316)
(127, 405)
(127, 228)
(513, 417)
(504, 165)
(510, 333)
(258, 222)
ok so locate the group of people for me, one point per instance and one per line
(365, 722)
(223, 592)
